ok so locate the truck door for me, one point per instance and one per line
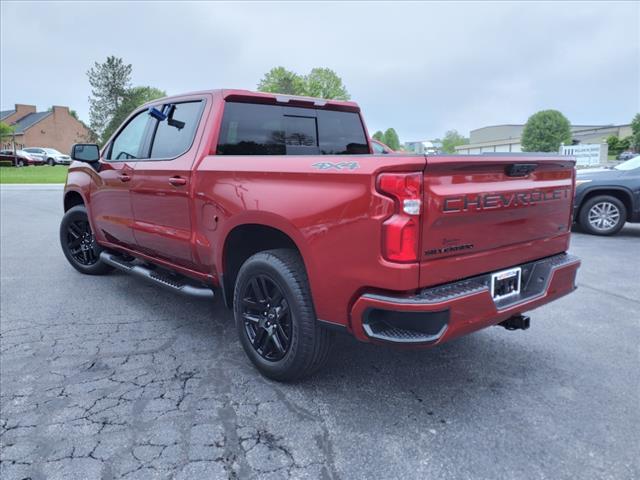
(110, 197)
(161, 184)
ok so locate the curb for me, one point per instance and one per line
(31, 186)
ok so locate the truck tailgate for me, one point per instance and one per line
(486, 212)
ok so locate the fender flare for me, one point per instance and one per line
(264, 219)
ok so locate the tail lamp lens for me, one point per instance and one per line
(401, 231)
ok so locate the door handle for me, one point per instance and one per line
(124, 177)
(177, 181)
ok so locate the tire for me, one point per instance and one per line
(51, 162)
(602, 215)
(78, 243)
(20, 163)
(283, 275)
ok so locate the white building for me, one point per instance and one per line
(507, 138)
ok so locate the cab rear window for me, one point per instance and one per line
(253, 129)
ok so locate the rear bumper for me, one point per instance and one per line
(436, 315)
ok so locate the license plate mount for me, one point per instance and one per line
(506, 283)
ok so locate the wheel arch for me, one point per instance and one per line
(73, 198)
(243, 241)
(620, 193)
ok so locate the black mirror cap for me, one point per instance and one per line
(85, 152)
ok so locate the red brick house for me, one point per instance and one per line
(56, 128)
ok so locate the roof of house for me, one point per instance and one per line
(5, 113)
(29, 120)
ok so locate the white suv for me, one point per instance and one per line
(49, 155)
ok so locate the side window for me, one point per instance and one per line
(174, 135)
(130, 141)
(249, 129)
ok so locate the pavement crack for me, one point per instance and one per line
(607, 292)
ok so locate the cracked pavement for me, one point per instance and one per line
(111, 377)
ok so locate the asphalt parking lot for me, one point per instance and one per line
(110, 377)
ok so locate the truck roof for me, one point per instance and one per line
(275, 98)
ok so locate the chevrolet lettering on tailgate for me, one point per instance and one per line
(491, 201)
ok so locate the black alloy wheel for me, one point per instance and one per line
(275, 317)
(267, 318)
(81, 242)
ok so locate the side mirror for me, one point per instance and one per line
(85, 152)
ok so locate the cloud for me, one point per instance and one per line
(422, 68)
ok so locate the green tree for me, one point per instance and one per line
(5, 130)
(379, 136)
(614, 145)
(132, 99)
(635, 128)
(625, 143)
(451, 140)
(321, 82)
(109, 83)
(545, 131)
(325, 83)
(391, 139)
(281, 80)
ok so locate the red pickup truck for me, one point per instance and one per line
(277, 204)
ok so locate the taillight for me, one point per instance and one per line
(401, 231)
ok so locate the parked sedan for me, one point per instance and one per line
(18, 159)
(606, 198)
(49, 156)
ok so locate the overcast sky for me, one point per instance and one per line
(422, 68)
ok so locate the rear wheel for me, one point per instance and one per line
(603, 215)
(79, 244)
(20, 163)
(275, 317)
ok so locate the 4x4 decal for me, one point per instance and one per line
(337, 166)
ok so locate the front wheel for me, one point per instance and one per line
(51, 162)
(20, 163)
(79, 244)
(603, 215)
(275, 317)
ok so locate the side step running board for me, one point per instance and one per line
(175, 283)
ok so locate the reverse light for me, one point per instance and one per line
(411, 207)
(401, 231)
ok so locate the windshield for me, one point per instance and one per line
(629, 164)
(52, 150)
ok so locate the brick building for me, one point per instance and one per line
(56, 128)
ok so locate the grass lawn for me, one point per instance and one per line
(44, 174)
